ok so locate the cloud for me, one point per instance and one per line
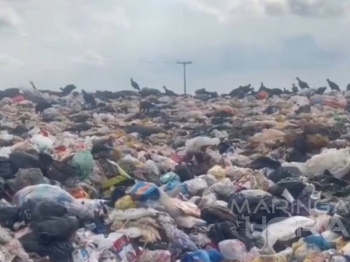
(115, 17)
(92, 58)
(233, 10)
(308, 8)
(8, 16)
(230, 42)
(8, 61)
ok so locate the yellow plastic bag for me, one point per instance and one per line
(124, 203)
(218, 172)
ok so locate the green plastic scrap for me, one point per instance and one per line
(83, 163)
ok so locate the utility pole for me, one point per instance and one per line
(185, 63)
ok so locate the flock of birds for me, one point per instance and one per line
(243, 91)
(201, 94)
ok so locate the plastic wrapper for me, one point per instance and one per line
(144, 191)
(236, 250)
(131, 214)
(155, 256)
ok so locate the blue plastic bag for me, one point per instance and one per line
(144, 191)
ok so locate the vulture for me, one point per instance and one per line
(320, 90)
(302, 84)
(285, 91)
(79, 127)
(145, 106)
(134, 85)
(169, 92)
(348, 87)
(40, 107)
(247, 87)
(262, 87)
(295, 89)
(32, 84)
(89, 99)
(333, 85)
(67, 90)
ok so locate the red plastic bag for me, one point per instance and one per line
(18, 99)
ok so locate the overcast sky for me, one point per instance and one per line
(101, 44)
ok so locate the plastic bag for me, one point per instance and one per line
(197, 143)
(6, 170)
(285, 230)
(155, 256)
(152, 167)
(83, 162)
(144, 191)
(56, 194)
(195, 185)
(112, 174)
(29, 177)
(43, 143)
(217, 171)
(85, 254)
(233, 249)
(56, 251)
(131, 214)
(124, 203)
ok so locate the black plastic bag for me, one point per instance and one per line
(263, 161)
(327, 182)
(48, 209)
(259, 209)
(226, 230)
(23, 160)
(57, 228)
(9, 216)
(284, 172)
(50, 220)
(56, 251)
(6, 170)
(294, 185)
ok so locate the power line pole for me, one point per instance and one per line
(185, 63)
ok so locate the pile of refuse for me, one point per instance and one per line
(174, 178)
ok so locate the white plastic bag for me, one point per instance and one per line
(197, 143)
(233, 249)
(43, 143)
(195, 185)
(284, 230)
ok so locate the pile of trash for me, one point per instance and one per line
(126, 177)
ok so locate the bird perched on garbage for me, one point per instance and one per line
(67, 89)
(320, 90)
(333, 85)
(295, 89)
(40, 107)
(89, 99)
(169, 92)
(146, 106)
(134, 85)
(262, 86)
(79, 127)
(302, 84)
(32, 84)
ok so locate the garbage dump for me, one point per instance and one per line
(147, 176)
